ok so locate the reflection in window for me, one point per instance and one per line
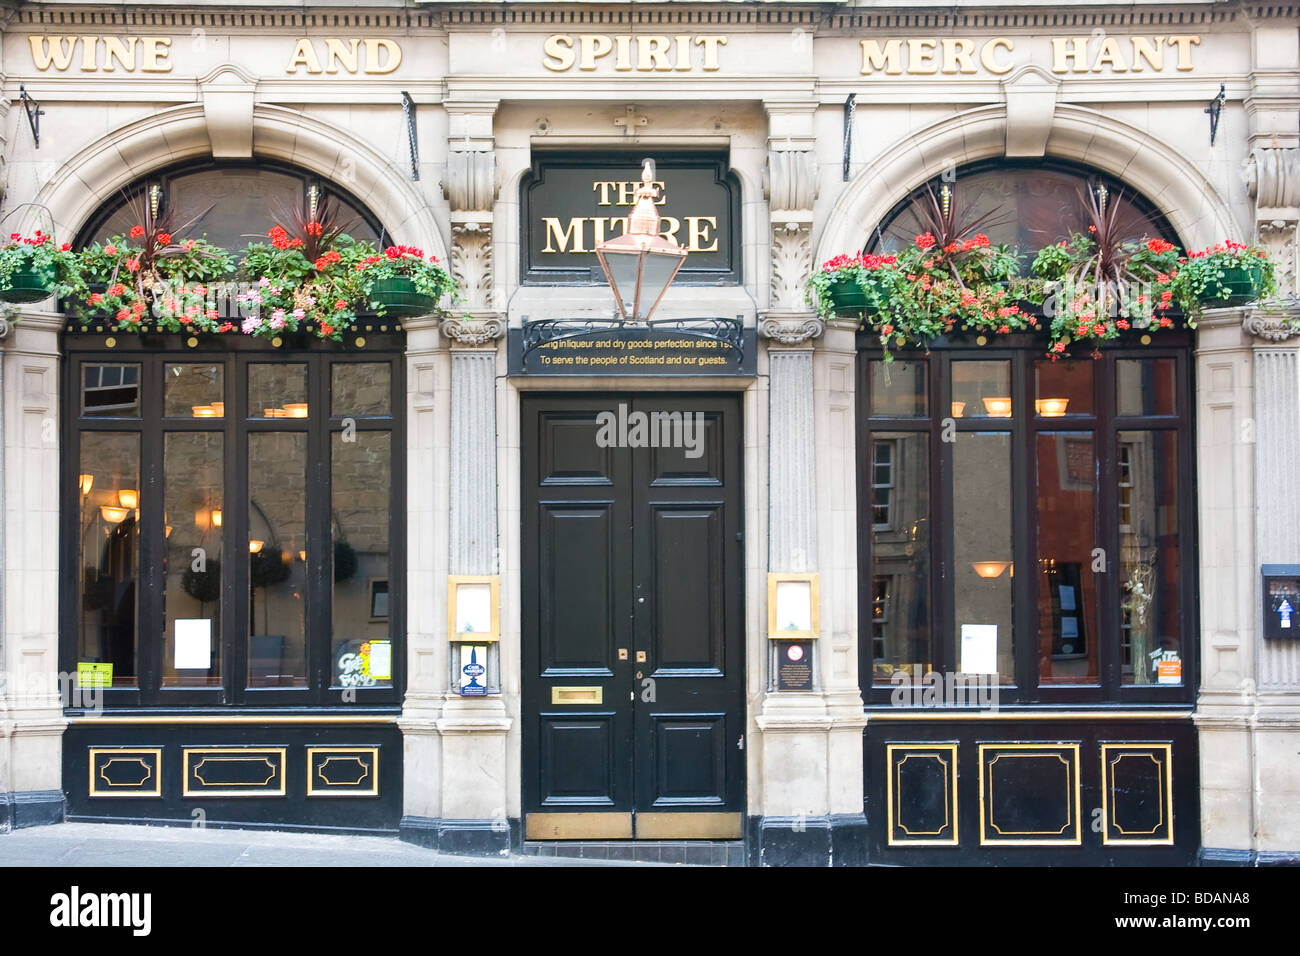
(361, 476)
(1067, 585)
(981, 389)
(193, 478)
(1145, 386)
(1149, 560)
(900, 556)
(194, 391)
(276, 550)
(882, 484)
(982, 569)
(110, 391)
(109, 483)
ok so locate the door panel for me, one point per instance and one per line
(632, 618)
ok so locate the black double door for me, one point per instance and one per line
(633, 666)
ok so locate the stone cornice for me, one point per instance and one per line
(1273, 321)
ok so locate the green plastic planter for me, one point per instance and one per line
(853, 299)
(398, 297)
(1237, 287)
(28, 285)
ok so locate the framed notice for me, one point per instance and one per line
(472, 608)
(792, 606)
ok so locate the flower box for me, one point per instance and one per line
(28, 285)
(398, 297)
(1237, 285)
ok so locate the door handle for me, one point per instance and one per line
(640, 657)
(622, 653)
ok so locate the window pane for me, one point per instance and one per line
(898, 389)
(192, 489)
(277, 391)
(109, 483)
(361, 480)
(242, 204)
(1149, 559)
(194, 391)
(982, 552)
(110, 391)
(1067, 586)
(361, 389)
(276, 549)
(1145, 386)
(900, 554)
(981, 390)
(1062, 388)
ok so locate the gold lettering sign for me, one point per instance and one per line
(333, 55)
(101, 54)
(581, 233)
(644, 53)
(926, 56)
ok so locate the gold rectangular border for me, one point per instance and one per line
(1120, 840)
(597, 693)
(772, 578)
(1073, 749)
(494, 581)
(185, 778)
(889, 793)
(157, 790)
(374, 773)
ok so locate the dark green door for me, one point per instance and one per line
(633, 683)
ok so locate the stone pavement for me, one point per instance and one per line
(107, 844)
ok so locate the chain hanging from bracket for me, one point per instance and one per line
(34, 113)
(408, 108)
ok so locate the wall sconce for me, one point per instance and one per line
(792, 606)
(255, 546)
(1051, 407)
(86, 482)
(997, 407)
(114, 515)
(216, 517)
(473, 608)
(958, 409)
(129, 498)
(203, 411)
(167, 531)
(302, 556)
(990, 569)
(295, 410)
(274, 413)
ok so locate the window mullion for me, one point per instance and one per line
(944, 634)
(319, 607)
(1024, 597)
(1109, 598)
(151, 621)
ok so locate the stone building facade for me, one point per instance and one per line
(433, 118)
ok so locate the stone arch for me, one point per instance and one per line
(1177, 188)
(102, 168)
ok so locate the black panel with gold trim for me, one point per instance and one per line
(293, 771)
(921, 794)
(342, 771)
(125, 772)
(1137, 794)
(1071, 788)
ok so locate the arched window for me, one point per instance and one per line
(236, 203)
(1027, 205)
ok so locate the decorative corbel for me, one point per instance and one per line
(471, 191)
(790, 183)
(1272, 178)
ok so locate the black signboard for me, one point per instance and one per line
(573, 200)
(793, 665)
(1281, 601)
(633, 350)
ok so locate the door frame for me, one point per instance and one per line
(735, 392)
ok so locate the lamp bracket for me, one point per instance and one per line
(34, 113)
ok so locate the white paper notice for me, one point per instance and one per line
(1067, 597)
(381, 660)
(193, 643)
(979, 648)
(793, 606)
(473, 609)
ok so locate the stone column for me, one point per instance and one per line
(31, 710)
(428, 414)
(811, 742)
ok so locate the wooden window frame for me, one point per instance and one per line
(235, 353)
(1022, 351)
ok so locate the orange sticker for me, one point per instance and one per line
(1169, 672)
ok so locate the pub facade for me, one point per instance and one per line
(739, 584)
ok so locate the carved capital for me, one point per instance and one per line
(791, 266)
(470, 330)
(790, 328)
(470, 181)
(1274, 321)
(791, 179)
(471, 263)
(1272, 178)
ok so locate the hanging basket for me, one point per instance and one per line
(1239, 285)
(28, 285)
(850, 298)
(399, 297)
